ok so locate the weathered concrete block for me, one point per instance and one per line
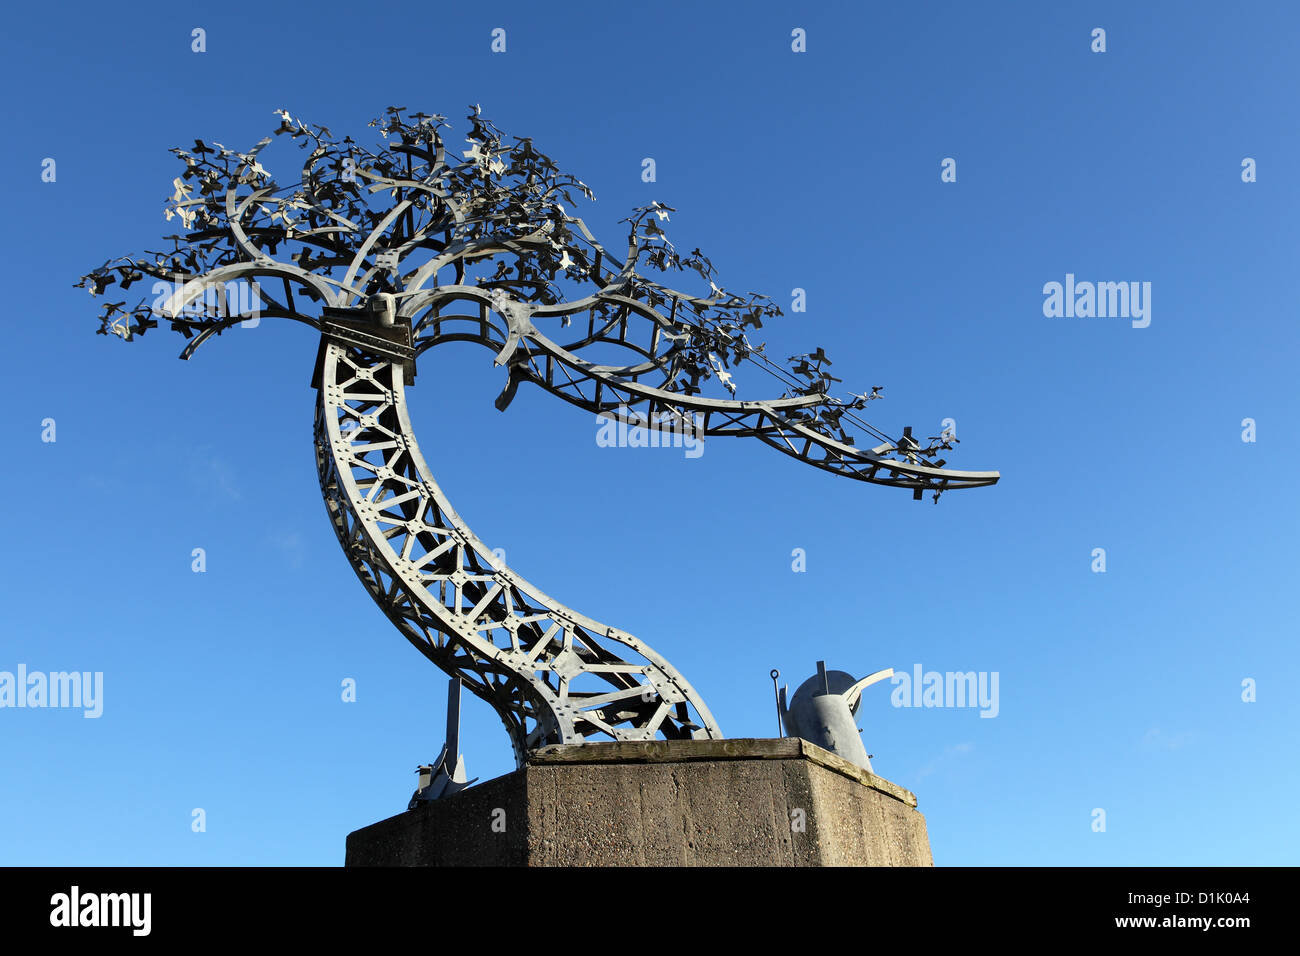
(746, 802)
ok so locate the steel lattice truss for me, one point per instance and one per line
(391, 252)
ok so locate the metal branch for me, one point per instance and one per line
(394, 251)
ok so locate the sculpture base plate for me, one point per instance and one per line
(745, 802)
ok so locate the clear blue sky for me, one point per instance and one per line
(819, 170)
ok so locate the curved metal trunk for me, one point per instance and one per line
(552, 674)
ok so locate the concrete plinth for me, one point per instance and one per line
(778, 802)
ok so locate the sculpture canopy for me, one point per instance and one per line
(392, 251)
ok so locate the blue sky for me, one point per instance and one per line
(820, 170)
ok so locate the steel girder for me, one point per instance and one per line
(552, 674)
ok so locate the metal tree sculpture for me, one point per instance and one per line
(391, 252)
